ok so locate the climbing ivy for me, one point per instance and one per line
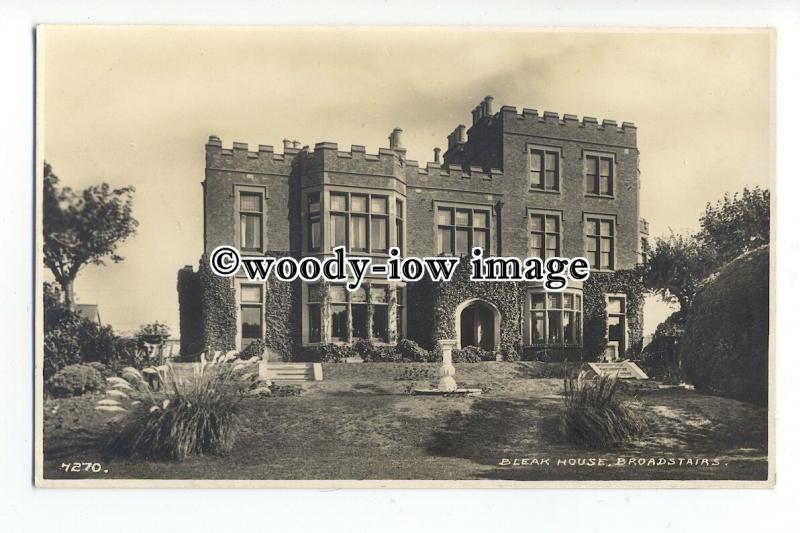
(595, 318)
(218, 303)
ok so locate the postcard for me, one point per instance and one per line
(404, 257)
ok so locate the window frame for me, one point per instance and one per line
(241, 304)
(576, 312)
(311, 218)
(588, 218)
(240, 190)
(367, 215)
(543, 151)
(454, 207)
(599, 156)
(559, 215)
(623, 315)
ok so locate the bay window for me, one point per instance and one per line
(555, 318)
(360, 222)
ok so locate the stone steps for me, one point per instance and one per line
(290, 372)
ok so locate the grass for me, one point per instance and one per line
(344, 429)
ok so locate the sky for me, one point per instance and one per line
(135, 106)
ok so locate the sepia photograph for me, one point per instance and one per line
(404, 257)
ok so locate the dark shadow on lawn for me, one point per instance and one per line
(491, 427)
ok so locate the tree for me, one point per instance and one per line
(83, 228)
(677, 264)
(675, 267)
(736, 224)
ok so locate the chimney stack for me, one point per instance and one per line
(287, 144)
(461, 134)
(396, 139)
(296, 145)
(488, 106)
(436, 153)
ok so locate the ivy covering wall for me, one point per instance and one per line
(595, 319)
(218, 316)
(208, 312)
(282, 314)
(506, 297)
(431, 312)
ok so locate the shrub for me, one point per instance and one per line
(363, 348)
(411, 351)
(594, 416)
(156, 329)
(254, 349)
(288, 390)
(325, 353)
(384, 354)
(182, 417)
(104, 370)
(70, 339)
(472, 354)
(660, 361)
(74, 380)
(725, 349)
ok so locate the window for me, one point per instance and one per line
(600, 243)
(398, 224)
(616, 308)
(401, 306)
(380, 312)
(251, 218)
(360, 222)
(251, 297)
(545, 238)
(314, 314)
(314, 224)
(555, 318)
(545, 169)
(599, 175)
(349, 310)
(459, 230)
(339, 328)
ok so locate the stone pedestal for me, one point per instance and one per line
(447, 371)
(447, 382)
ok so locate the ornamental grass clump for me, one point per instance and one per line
(595, 417)
(166, 416)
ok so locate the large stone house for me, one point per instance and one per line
(515, 183)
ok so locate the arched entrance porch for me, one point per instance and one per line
(477, 324)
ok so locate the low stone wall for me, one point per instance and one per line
(374, 372)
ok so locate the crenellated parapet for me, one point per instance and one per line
(240, 158)
(549, 123)
(452, 176)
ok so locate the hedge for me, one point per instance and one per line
(190, 312)
(725, 349)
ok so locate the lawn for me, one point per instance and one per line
(363, 424)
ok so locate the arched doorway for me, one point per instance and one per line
(478, 324)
